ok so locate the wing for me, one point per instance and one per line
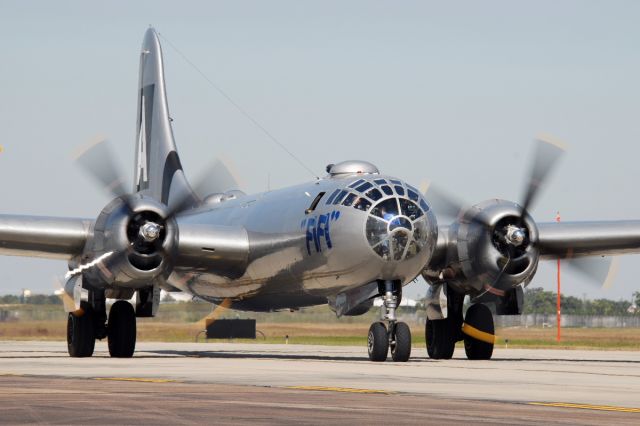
(578, 239)
(41, 236)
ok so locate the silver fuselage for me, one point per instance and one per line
(298, 257)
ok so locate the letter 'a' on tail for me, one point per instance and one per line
(158, 172)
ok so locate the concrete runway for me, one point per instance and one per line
(184, 383)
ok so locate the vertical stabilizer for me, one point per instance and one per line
(158, 172)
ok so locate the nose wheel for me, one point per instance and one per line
(393, 336)
(401, 344)
(378, 342)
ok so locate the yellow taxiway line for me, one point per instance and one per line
(136, 379)
(339, 389)
(587, 406)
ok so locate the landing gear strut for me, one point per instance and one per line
(395, 335)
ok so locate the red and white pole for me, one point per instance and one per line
(558, 311)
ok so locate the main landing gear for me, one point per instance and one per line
(121, 330)
(90, 323)
(81, 336)
(477, 330)
(393, 335)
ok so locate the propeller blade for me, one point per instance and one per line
(98, 161)
(216, 178)
(546, 156)
(442, 202)
(599, 271)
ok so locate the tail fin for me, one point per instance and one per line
(158, 172)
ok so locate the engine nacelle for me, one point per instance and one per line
(140, 239)
(491, 247)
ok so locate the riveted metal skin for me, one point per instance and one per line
(264, 251)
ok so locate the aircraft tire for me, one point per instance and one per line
(121, 330)
(440, 336)
(378, 342)
(479, 317)
(81, 338)
(401, 348)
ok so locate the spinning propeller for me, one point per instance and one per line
(511, 236)
(148, 239)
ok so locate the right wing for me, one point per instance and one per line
(42, 236)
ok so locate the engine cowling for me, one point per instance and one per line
(491, 247)
(137, 239)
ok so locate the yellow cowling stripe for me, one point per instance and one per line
(587, 406)
(478, 334)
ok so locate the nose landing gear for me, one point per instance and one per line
(395, 335)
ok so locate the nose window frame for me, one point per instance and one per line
(404, 236)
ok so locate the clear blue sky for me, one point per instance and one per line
(452, 92)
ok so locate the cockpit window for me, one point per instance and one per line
(364, 187)
(397, 228)
(386, 209)
(356, 183)
(410, 209)
(332, 196)
(374, 194)
(315, 202)
(376, 230)
(340, 197)
(349, 200)
(362, 204)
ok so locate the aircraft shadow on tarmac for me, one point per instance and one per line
(292, 356)
(254, 355)
(363, 358)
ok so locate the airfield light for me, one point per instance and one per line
(559, 317)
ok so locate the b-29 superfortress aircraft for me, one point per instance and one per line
(342, 240)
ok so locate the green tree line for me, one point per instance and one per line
(536, 301)
(34, 299)
(539, 301)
